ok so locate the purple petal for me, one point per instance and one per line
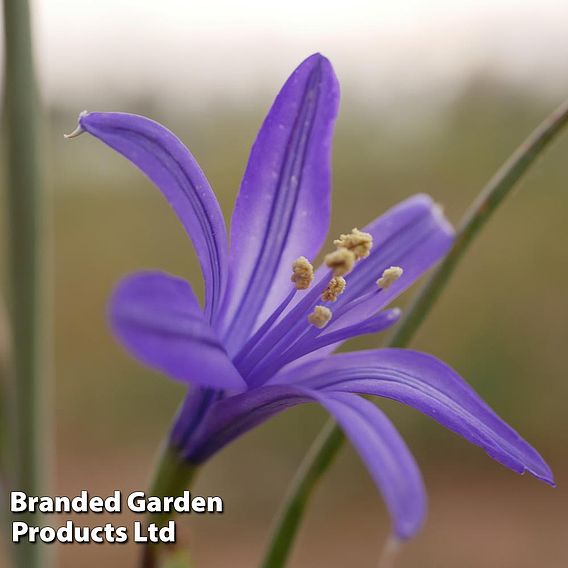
(430, 386)
(282, 211)
(158, 319)
(386, 456)
(169, 164)
(192, 413)
(231, 417)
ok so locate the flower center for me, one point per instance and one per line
(289, 334)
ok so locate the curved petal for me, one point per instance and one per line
(232, 417)
(282, 211)
(430, 386)
(158, 319)
(169, 164)
(385, 454)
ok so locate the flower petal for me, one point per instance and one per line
(430, 386)
(282, 211)
(170, 165)
(385, 454)
(158, 319)
(191, 414)
(231, 417)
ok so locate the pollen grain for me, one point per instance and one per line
(341, 261)
(335, 288)
(302, 273)
(320, 316)
(389, 276)
(358, 242)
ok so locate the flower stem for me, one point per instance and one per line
(29, 427)
(498, 187)
(318, 459)
(329, 440)
(173, 477)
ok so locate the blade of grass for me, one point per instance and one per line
(330, 439)
(28, 427)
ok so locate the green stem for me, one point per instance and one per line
(498, 187)
(24, 177)
(172, 478)
(319, 458)
(328, 441)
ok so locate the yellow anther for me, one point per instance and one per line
(389, 276)
(320, 316)
(302, 273)
(334, 289)
(358, 242)
(341, 261)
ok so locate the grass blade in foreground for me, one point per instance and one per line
(24, 179)
(329, 440)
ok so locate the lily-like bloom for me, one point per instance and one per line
(265, 337)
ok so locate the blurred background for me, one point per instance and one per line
(436, 94)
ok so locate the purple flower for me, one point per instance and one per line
(263, 341)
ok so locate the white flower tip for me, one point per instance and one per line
(391, 550)
(443, 221)
(78, 130)
(394, 313)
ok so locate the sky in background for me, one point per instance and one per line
(185, 51)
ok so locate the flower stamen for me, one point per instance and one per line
(389, 276)
(341, 261)
(358, 242)
(302, 273)
(335, 287)
(320, 316)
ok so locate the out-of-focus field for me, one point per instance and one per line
(502, 323)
